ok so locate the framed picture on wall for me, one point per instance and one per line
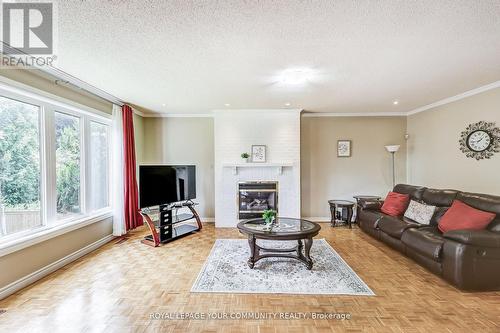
(258, 153)
(344, 148)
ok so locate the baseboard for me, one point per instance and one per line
(207, 219)
(317, 219)
(44, 271)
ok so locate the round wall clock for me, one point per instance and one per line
(480, 140)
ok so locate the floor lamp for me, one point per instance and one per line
(393, 149)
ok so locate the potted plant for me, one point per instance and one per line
(269, 216)
(245, 156)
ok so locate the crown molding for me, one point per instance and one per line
(354, 114)
(455, 98)
(139, 113)
(177, 115)
(273, 111)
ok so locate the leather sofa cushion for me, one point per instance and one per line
(395, 226)
(495, 224)
(475, 237)
(489, 203)
(426, 241)
(393, 242)
(438, 214)
(369, 218)
(462, 216)
(370, 205)
(439, 197)
(415, 192)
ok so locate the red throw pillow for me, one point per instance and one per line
(461, 216)
(395, 204)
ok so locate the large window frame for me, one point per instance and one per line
(50, 226)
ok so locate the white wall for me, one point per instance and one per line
(434, 158)
(235, 132)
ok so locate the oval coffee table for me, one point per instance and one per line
(283, 228)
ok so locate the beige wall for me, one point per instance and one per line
(325, 176)
(434, 158)
(139, 138)
(38, 80)
(23, 262)
(26, 261)
(184, 141)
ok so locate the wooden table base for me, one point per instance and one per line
(281, 253)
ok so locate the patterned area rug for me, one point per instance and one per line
(226, 271)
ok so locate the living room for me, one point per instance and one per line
(254, 166)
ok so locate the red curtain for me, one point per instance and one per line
(132, 217)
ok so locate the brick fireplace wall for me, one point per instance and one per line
(235, 131)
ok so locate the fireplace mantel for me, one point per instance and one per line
(279, 166)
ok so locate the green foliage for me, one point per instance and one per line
(245, 155)
(19, 155)
(20, 158)
(68, 167)
(269, 215)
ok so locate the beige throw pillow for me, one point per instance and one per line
(420, 212)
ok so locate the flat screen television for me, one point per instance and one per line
(165, 184)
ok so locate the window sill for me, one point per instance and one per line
(46, 233)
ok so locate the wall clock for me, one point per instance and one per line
(480, 140)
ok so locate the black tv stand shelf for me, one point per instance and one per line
(182, 218)
(169, 225)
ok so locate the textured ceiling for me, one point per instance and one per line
(195, 56)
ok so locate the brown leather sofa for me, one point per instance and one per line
(468, 259)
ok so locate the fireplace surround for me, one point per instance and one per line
(235, 131)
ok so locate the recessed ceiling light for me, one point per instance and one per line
(288, 104)
(395, 102)
(227, 104)
(296, 76)
(164, 105)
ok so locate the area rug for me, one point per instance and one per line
(226, 271)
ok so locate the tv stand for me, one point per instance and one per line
(169, 226)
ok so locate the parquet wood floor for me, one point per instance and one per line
(116, 288)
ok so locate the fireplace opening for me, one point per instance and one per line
(256, 197)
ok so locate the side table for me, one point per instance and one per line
(341, 204)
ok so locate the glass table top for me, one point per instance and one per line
(366, 197)
(280, 225)
(341, 202)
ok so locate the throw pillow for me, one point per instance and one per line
(395, 204)
(420, 212)
(461, 216)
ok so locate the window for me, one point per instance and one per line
(54, 163)
(99, 166)
(19, 166)
(67, 132)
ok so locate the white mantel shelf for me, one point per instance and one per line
(279, 166)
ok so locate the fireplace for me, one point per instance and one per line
(256, 197)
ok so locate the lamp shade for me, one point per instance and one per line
(392, 148)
